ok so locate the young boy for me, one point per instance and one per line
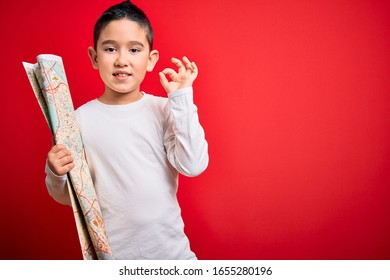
(136, 143)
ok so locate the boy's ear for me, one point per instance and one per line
(153, 58)
(93, 57)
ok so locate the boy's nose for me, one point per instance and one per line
(121, 60)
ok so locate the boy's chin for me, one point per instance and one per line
(122, 94)
(122, 91)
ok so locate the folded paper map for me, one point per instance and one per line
(48, 80)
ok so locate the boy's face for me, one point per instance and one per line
(122, 57)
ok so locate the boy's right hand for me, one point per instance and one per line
(59, 160)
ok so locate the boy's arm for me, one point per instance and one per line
(59, 162)
(184, 137)
(56, 186)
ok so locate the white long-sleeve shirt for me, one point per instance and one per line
(135, 152)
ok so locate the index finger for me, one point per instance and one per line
(179, 64)
(58, 147)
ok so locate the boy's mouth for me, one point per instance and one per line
(121, 74)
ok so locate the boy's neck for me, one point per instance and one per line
(120, 98)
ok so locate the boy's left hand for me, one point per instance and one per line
(184, 77)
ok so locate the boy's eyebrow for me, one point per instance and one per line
(113, 42)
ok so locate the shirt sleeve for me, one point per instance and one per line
(57, 187)
(184, 137)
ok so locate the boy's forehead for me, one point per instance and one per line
(123, 30)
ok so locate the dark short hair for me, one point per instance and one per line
(124, 10)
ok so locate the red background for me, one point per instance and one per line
(293, 96)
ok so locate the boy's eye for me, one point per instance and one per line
(110, 49)
(134, 50)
